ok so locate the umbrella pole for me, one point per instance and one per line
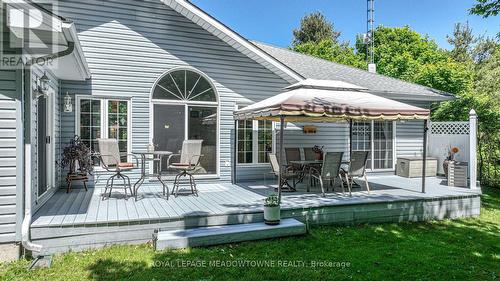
(350, 138)
(281, 157)
(424, 156)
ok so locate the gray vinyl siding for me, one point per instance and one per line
(409, 138)
(129, 44)
(10, 136)
(409, 134)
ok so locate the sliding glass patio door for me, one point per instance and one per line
(174, 123)
(169, 128)
(377, 137)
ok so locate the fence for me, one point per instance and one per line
(445, 135)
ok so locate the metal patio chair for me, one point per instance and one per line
(293, 154)
(329, 171)
(110, 159)
(357, 168)
(286, 176)
(309, 154)
(188, 164)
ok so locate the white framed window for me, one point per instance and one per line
(104, 118)
(255, 141)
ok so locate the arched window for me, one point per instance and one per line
(185, 107)
(184, 85)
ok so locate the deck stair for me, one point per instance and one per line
(215, 235)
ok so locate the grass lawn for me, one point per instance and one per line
(466, 249)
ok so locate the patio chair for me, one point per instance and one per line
(330, 171)
(292, 154)
(357, 168)
(309, 154)
(110, 159)
(188, 164)
(286, 176)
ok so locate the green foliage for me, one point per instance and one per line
(486, 8)
(272, 201)
(314, 28)
(462, 41)
(331, 51)
(403, 53)
(484, 98)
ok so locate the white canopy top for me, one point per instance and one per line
(329, 101)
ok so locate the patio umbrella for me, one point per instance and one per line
(330, 101)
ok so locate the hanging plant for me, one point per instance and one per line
(77, 156)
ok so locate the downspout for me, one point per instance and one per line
(25, 228)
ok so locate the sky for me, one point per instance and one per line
(272, 21)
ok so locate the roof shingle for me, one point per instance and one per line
(316, 68)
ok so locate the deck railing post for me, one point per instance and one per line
(281, 157)
(473, 148)
(424, 155)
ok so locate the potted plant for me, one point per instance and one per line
(77, 156)
(272, 210)
(319, 152)
(450, 158)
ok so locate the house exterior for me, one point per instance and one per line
(137, 69)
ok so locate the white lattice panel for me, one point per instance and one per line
(450, 128)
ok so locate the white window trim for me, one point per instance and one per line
(255, 145)
(104, 117)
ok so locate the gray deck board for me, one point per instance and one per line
(80, 207)
(84, 207)
(44, 215)
(93, 208)
(75, 207)
(61, 213)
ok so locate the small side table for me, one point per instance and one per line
(457, 174)
(70, 178)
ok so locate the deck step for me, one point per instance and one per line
(215, 235)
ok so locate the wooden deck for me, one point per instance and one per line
(79, 208)
(81, 219)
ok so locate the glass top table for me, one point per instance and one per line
(157, 155)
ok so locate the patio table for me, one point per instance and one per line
(306, 164)
(156, 155)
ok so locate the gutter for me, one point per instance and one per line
(25, 228)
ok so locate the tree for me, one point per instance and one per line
(484, 98)
(486, 8)
(463, 42)
(403, 53)
(314, 28)
(484, 50)
(332, 51)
